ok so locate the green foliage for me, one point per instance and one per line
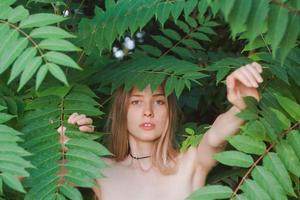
(186, 46)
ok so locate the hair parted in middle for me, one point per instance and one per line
(165, 151)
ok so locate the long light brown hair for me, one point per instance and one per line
(165, 151)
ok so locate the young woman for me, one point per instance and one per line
(146, 165)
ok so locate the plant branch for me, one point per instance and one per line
(260, 158)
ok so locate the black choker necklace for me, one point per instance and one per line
(138, 158)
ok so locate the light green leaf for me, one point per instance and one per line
(163, 12)
(265, 179)
(234, 158)
(58, 45)
(290, 106)
(57, 72)
(40, 19)
(288, 157)
(276, 167)
(4, 117)
(294, 140)
(254, 191)
(255, 129)
(50, 32)
(15, 49)
(211, 192)
(247, 144)
(29, 71)
(285, 122)
(17, 14)
(61, 59)
(22, 62)
(12, 182)
(4, 3)
(40, 76)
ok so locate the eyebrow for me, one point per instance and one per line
(154, 95)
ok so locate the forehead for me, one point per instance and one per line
(147, 90)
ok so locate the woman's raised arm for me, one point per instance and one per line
(242, 82)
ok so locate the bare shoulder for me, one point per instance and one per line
(188, 158)
(109, 161)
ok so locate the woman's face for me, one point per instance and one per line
(147, 114)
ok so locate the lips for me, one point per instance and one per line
(147, 126)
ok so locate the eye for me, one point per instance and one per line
(135, 102)
(160, 102)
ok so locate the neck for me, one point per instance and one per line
(140, 148)
(143, 150)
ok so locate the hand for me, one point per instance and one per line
(244, 82)
(84, 123)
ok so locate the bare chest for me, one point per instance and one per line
(135, 185)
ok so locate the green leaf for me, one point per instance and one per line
(288, 157)
(163, 12)
(5, 3)
(290, 37)
(257, 17)
(40, 76)
(171, 34)
(61, 59)
(276, 167)
(211, 192)
(169, 87)
(294, 140)
(285, 122)
(57, 72)
(5, 117)
(22, 62)
(254, 191)
(58, 45)
(226, 7)
(29, 71)
(50, 32)
(255, 129)
(247, 144)
(88, 145)
(17, 14)
(234, 158)
(12, 182)
(278, 21)
(40, 19)
(189, 7)
(163, 41)
(14, 50)
(289, 106)
(70, 192)
(265, 179)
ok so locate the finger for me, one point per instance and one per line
(61, 129)
(257, 66)
(72, 117)
(85, 121)
(239, 75)
(79, 117)
(252, 69)
(248, 75)
(87, 128)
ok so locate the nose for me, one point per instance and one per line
(148, 112)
